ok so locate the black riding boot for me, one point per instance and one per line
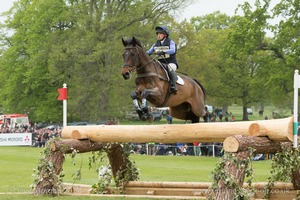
(173, 79)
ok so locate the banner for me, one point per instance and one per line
(15, 139)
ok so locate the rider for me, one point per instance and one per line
(165, 48)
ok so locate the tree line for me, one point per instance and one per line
(47, 43)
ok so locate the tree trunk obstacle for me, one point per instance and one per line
(264, 136)
(235, 168)
(49, 184)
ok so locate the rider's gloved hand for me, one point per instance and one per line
(160, 53)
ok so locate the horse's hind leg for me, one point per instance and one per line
(193, 117)
(196, 119)
(184, 111)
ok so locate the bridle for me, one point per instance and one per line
(138, 68)
(134, 67)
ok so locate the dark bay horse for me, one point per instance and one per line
(152, 85)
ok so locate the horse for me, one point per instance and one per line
(152, 84)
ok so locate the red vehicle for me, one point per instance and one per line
(11, 120)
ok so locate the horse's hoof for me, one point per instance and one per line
(144, 117)
(150, 118)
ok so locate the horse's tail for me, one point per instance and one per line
(202, 88)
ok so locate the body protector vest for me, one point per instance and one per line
(167, 58)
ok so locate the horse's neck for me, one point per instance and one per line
(148, 66)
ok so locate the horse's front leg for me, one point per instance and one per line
(144, 106)
(136, 104)
(142, 110)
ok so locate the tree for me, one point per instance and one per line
(285, 49)
(242, 65)
(201, 54)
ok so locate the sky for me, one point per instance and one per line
(204, 7)
(198, 8)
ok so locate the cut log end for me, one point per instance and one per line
(257, 130)
(254, 129)
(76, 134)
(231, 144)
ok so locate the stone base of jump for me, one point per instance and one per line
(180, 190)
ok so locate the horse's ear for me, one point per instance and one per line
(133, 41)
(124, 42)
(136, 42)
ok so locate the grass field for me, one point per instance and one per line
(17, 164)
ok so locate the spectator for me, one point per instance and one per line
(151, 148)
(232, 118)
(196, 148)
(169, 119)
(184, 149)
(220, 116)
(266, 118)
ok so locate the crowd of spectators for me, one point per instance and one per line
(40, 135)
(179, 149)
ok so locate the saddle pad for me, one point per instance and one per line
(179, 80)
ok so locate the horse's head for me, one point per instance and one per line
(130, 56)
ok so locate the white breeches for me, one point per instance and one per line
(172, 66)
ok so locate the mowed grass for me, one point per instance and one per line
(17, 164)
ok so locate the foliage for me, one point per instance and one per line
(200, 56)
(129, 173)
(283, 164)
(105, 179)
(242, 63)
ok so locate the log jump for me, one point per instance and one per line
(265, 136)
(277, 130)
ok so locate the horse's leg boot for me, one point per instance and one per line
(173, 79)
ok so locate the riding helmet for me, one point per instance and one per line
(162, 29)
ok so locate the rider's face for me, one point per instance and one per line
(161, 36)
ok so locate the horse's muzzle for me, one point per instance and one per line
(126, 75)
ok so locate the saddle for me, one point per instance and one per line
(164, 66)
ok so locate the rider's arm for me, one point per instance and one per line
(172, 49)
(151, 50)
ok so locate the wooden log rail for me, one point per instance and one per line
(240, 143)
(277, 130)
(186, 190)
